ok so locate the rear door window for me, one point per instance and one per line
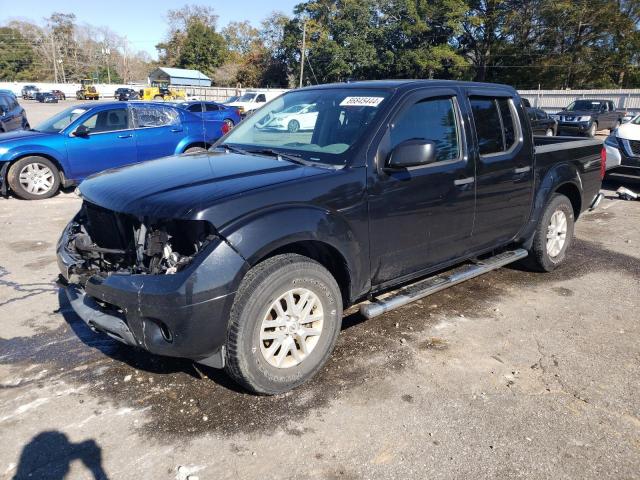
(195, 108)
(149, 116)
(494, 123)
(211, 107)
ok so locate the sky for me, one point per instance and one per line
(142, 21)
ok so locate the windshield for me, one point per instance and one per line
(247, 97)
(317, 125)
(584, 105)
(60, 121)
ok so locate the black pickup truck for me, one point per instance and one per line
(244, 257)
(585, 116)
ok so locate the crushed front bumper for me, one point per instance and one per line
(181, 315)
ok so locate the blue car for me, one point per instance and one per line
(212, 111)
(12, 115)
(88, 138)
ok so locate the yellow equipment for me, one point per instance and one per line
(162, 92)
(87, 91)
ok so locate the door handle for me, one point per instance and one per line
(522, 170)
(176, 129)
(125, 135)
(464, 181)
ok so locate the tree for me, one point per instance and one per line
(17, 56)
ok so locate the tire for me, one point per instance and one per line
(549, 132)
(40, 192)
(229, 122)
(195, 150)
(592, 130)
(158, 97)
(248, 358)
(542, 256)
(615, 127)
(293, 126)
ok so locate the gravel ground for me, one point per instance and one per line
(510, 375)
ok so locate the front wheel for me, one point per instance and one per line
(554, 234)
(293, 126)
(549, 132)
(284, 323)
(592, 130)
(34, 178)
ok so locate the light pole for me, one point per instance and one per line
(304, 44)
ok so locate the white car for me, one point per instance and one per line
(292, 119)
(254, 99)
(623, 147)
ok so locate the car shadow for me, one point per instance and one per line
(48, 456)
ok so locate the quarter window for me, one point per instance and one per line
(432, 119)
(495, 124)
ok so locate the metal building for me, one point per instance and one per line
(179, 76)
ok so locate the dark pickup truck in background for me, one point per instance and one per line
(245, 256)
(585, 116)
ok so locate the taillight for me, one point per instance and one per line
(603, 162)
(225, 128)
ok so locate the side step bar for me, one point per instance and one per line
(431, 285)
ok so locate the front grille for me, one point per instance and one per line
(107, 228)
(569, 119)
(635, 147)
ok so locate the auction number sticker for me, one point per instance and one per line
(361, 101)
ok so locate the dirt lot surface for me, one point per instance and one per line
(511, 375)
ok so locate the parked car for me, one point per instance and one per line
(29, 92)
(12, 115)
(124, 94)
(7, 92)
(629, 115)
(46, 97)
(588, 116)
(542, 123)
(253, 100)
(623, 149)
(293, 119)
(244, 257)
(89, 138)
(59, 94)
(212, 111)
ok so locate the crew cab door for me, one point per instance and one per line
(421, 216)
(504, 175)
(158, 129)
(107, 142)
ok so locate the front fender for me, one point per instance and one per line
(256, 236)
(58, 155)
(553, 179)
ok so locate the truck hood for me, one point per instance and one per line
(185, 185)
(577, 113)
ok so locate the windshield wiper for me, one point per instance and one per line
(233, 149)
(292, 157)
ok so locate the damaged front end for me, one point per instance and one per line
(106, 242)
(165, 285)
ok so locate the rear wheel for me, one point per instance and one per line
(229, 123)
(284, 323)
(195, 150)
(554, 234)
(34, 178)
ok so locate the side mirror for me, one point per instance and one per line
(81, 131)
(412, 153)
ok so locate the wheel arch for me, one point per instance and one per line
(48, 156)
(312, 232)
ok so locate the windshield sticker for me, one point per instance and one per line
(361, 101)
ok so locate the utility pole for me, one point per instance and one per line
(53, 56)
(106, 51)
(304, 45)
